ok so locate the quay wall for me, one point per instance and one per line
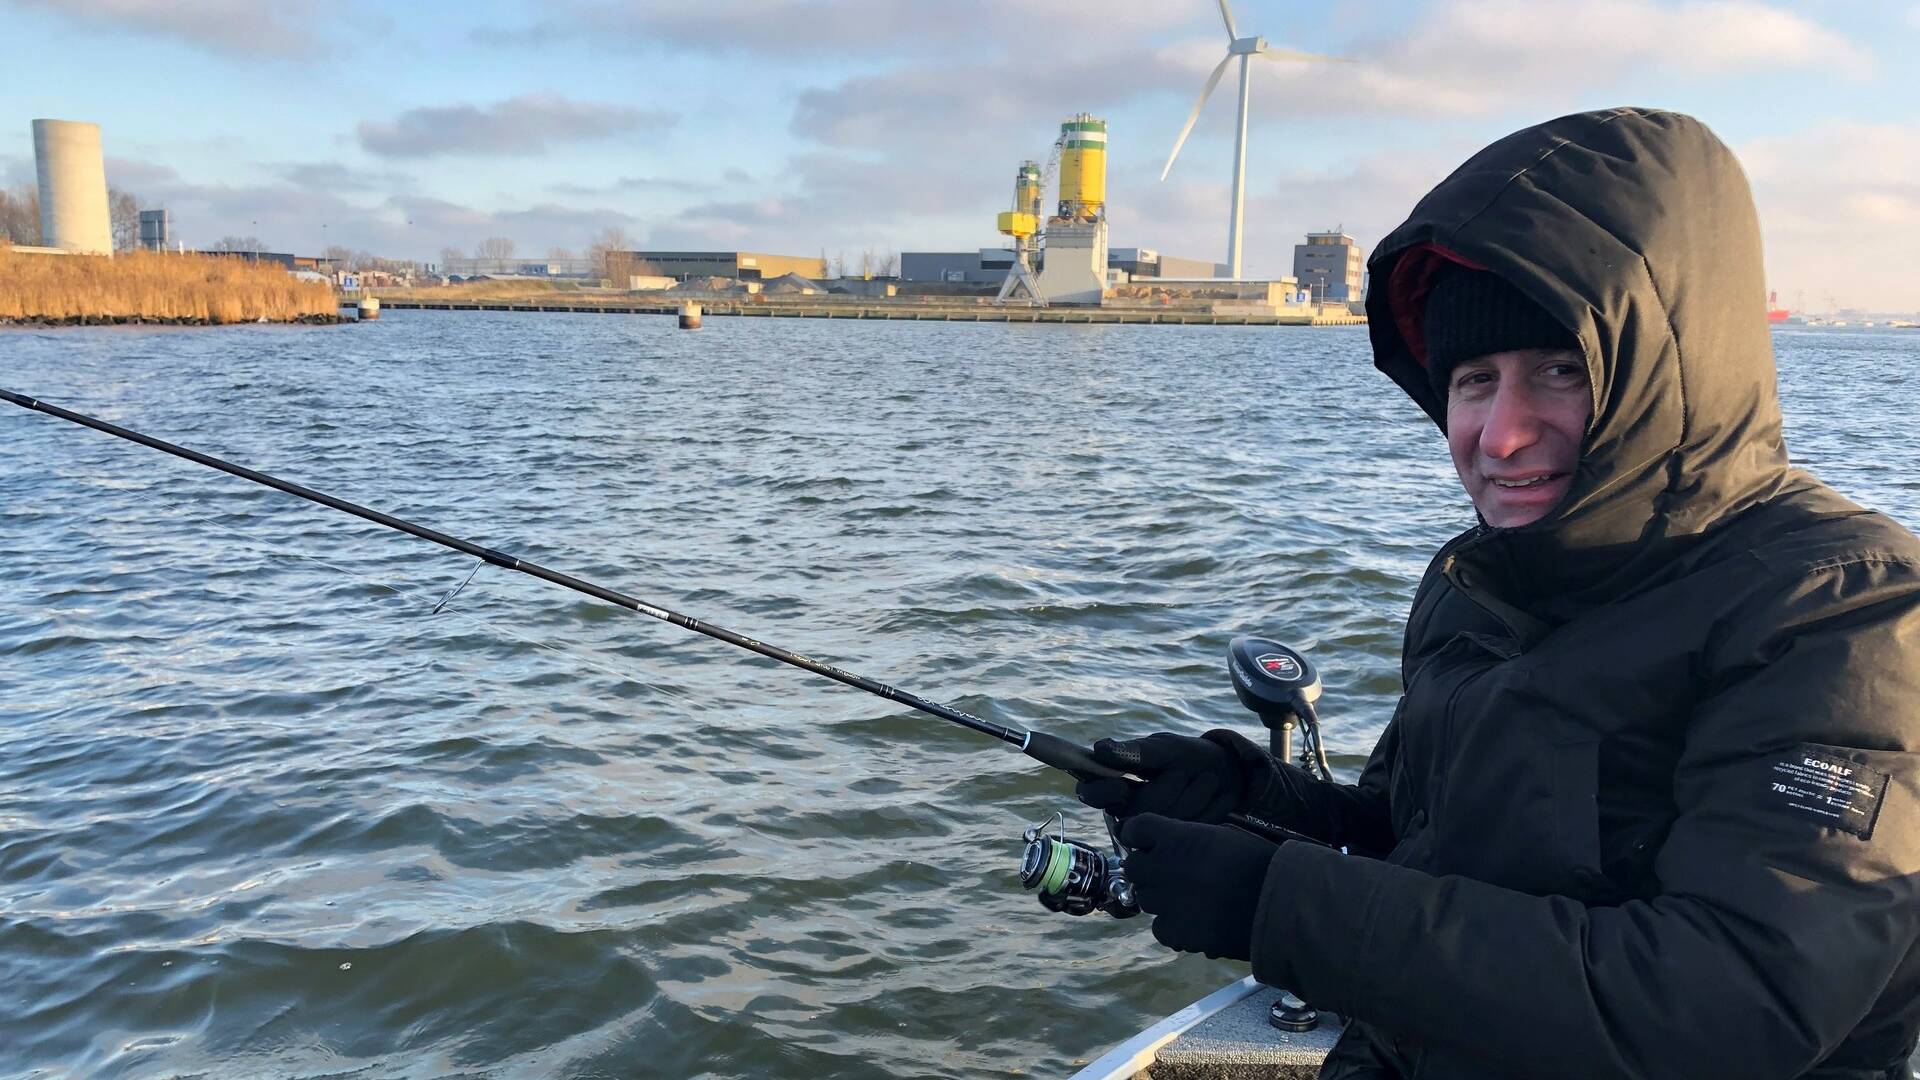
(823, 308)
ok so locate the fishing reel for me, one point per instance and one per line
(1278, 685)
(1076, 877)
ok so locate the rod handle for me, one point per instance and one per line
(1067, 756)
(1070, 757)
(1270, 832)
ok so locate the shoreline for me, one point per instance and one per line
(43, 322)
(814, 308)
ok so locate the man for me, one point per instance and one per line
(1648, 806)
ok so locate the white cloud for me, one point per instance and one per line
(788, 30)
(519, 126)
(1470, 57)
(1840, 210)
(290, 216)
(336, 176)
(260, 29)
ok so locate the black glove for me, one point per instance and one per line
(1201, 883)
(1187, 777)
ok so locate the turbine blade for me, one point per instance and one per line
(1226, 16)
(1212, 81)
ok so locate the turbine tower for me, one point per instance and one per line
(1245, 48)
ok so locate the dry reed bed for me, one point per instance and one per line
(156, 286)
(513, 289)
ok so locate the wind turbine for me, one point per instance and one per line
(1245, 48)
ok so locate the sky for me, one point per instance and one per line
(850, 126)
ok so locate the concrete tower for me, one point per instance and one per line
(1075, 266)
(73, 187)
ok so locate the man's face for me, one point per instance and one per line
(1515, 422)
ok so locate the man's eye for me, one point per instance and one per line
(1472, 377)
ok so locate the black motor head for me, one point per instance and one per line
(1271, 679)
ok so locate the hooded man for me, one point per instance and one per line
(1650, 803)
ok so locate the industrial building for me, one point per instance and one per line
(1074, 269)
(989, 266)
(318, 264)
(73, 187)
(1148, 263)
(680, 265)
(156, 230)
(1329, 265)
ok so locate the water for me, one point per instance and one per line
(262, 813)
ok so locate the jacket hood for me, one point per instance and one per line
(1635, 228)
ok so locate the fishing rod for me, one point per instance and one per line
(1062, 754)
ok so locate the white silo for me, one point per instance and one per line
(73, 187)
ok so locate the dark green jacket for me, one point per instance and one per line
(1650, 804)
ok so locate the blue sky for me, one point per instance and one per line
(846, 126)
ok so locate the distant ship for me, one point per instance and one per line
(1776, 313)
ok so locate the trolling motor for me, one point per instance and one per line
(1280, 686)
(1275, 683)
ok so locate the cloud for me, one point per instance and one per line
(917, 105)
(1473, 57)
(519, 126)
(631, 185)
(287, 216)
(538, 226)
(250, 29)
(335, 176)
(785, 30)
(1840, 210)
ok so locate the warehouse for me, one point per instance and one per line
(680, 265)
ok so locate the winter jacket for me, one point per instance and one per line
(1650, 803)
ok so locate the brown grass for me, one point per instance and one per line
(509, 289)
(151, 285)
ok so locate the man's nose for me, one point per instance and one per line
(1512, 425)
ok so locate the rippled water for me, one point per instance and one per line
(262, 811)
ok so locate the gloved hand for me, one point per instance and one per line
(1187, 777)
(1201, 883)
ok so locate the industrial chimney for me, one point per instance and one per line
(73, 187)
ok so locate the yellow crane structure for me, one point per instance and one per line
(1023, 224)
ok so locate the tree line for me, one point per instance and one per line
(20, 224)
(20, 217)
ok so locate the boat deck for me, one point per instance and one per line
(1223, 1036)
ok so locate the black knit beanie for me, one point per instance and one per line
(1472, 313)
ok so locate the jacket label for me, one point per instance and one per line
(1835, 792)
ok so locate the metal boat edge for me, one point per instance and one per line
(1127, 1059)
